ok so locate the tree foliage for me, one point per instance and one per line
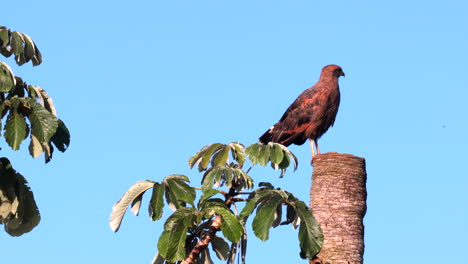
(193, 226)
(26, 111)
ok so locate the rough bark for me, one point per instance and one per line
(338, 201)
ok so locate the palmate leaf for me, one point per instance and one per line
(279, 155)
(218, 154)
(265, 216)
(230, 225)
(119, 209)
(178, 192)
(221, 157)
(255, 198)
(15, 129)
(238, 152)
(171, 244)
(226, 175)
(206, 157)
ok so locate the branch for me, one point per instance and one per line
(204, 241)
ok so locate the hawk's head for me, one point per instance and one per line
(333, 70)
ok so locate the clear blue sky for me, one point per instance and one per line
(143, 85)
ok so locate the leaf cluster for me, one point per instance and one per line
(18, 210)
(20, 45)
(26, 110)
(190, 228)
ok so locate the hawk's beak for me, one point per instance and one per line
(342, 74)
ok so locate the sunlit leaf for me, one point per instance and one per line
(221, 156)
(35, 147)
(277, 154)
(197, 157)
(119, 209)
(238, 152)
(264, 154)
(136, 204)
(207, 155)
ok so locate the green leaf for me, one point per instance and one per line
(119, 209)
(207, 155)
(252, 152)
(156, 204)
(220, 247)
(171, 244)
(196, 158)
(221, 157)
(238, 152)
(29, 49)
(264, 154)
(7, 78)
(181, 191)
(4, 37)
(230, 225)
(15, 129)
(212, 176)
(61, 137)
(288, 153)
(254, 199)
(310, 234)
(266, 215)
(277, 154)
(16, 43)
(43, 123)
(18, 212)
(207, 194)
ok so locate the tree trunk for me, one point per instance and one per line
(338, 201)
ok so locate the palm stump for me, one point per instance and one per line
(338, 201)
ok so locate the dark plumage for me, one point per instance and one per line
(311, 114)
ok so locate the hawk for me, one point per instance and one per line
(311, 114)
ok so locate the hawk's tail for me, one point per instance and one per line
(267, 136)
